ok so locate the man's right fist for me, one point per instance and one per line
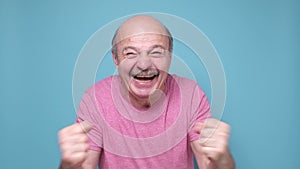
(73, 143)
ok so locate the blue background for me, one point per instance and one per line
(258, 43)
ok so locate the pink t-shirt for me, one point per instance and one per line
(155, 138)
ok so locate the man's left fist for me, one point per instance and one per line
(213, 143)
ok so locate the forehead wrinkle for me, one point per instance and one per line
(145, 41)
(140, 24)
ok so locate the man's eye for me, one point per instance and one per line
(130, 54)
(156, 54)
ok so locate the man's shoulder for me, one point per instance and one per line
(186, 84)
(101, 85)
(105, 82)
(183, 81)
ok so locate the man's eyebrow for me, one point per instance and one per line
(135, 49)
(129, 47)
(156, 46)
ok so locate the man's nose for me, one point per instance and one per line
(144, 61)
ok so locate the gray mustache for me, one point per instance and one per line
(148, 72)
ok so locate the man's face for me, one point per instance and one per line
(143, 62)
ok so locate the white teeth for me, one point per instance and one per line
(144, 76)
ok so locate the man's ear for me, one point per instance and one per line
(115, 58)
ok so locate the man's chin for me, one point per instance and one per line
(142, 94)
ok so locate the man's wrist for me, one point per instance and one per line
(67, 166)
(226, 162)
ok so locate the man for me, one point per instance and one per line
(144, 117)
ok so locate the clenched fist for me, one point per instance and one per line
(212, 147)
(73, 143)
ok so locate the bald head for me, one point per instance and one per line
(138, 25)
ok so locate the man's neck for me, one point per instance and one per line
(147, 102)
(143, 103)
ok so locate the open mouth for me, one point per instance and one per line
(144, 81)
(145, 77)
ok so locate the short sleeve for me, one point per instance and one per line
(200, 110)
(89, 110)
